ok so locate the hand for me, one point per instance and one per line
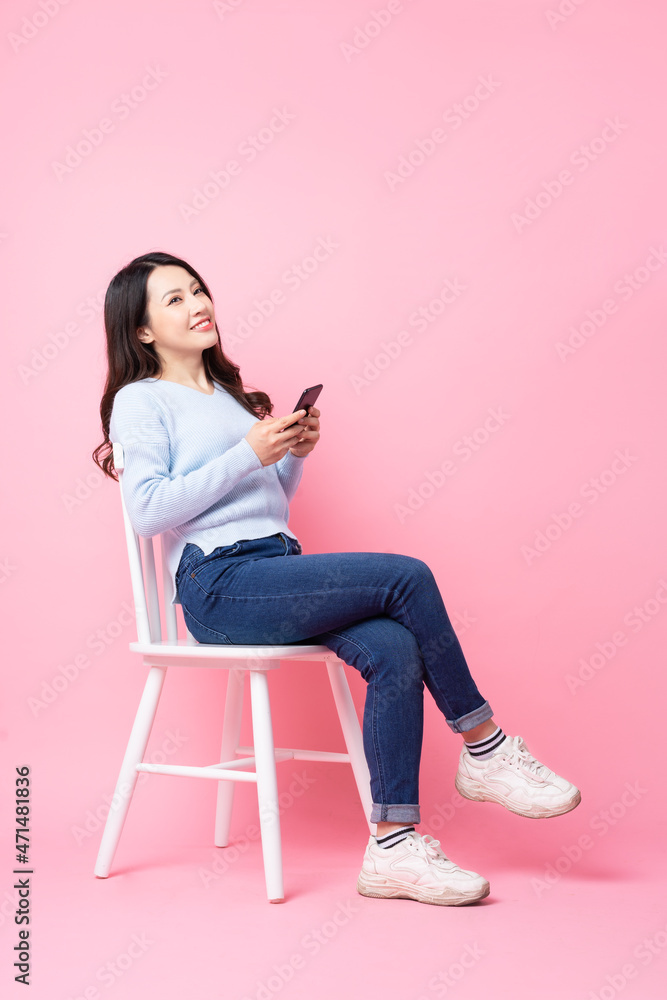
(270, 440)
(310, 433)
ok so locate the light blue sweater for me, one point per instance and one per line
(191, 475)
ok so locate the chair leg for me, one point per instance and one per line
(267, 785)
(231, 735)
(349, 722)
(127, 779)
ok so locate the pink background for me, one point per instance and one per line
(567, 642)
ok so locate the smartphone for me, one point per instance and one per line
(307, 398)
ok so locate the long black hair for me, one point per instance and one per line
(129, 360)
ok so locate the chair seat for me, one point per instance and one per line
(214, 651)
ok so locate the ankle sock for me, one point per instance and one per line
(482, 749)
(395, 837)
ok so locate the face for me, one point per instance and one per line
(181, 320)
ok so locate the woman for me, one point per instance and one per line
(207, 465)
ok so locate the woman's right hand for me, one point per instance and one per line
(270, 441)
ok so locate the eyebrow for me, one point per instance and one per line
(193, 282)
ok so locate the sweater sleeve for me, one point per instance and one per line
(290, 470)
(155, 501)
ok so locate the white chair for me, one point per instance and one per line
(159, 654)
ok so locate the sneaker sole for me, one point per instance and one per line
(477, 793)
(381, 888)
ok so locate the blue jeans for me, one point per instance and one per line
(380, 612)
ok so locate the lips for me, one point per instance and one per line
(203, 324)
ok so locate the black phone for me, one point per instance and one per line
(307, 398)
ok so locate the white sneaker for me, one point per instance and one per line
(416, 868)
(513, 778)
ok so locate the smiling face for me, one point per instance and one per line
(181, 319)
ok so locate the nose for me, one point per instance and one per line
(197, 307)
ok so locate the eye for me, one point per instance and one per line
(200, 290)
(173, 299)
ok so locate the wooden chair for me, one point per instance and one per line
(257, 763)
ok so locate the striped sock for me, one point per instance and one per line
(482, 749)
(395, 837)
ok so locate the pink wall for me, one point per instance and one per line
(498, 168)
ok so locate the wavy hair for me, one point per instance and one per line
(129, 360)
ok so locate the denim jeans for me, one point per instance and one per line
(380, 612)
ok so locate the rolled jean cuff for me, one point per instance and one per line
(471, 720)
(395, 814)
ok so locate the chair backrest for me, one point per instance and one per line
(144, 577)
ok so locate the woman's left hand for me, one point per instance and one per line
(310, 435)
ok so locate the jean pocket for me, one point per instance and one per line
(200, 568)
(202, 633)
(219, 553)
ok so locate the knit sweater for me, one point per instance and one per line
(191, 475)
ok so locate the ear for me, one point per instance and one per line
(144, 335)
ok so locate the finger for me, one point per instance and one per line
(291, 418)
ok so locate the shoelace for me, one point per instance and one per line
(431, 847)
(520, 756)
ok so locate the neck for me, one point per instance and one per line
(192, 374)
